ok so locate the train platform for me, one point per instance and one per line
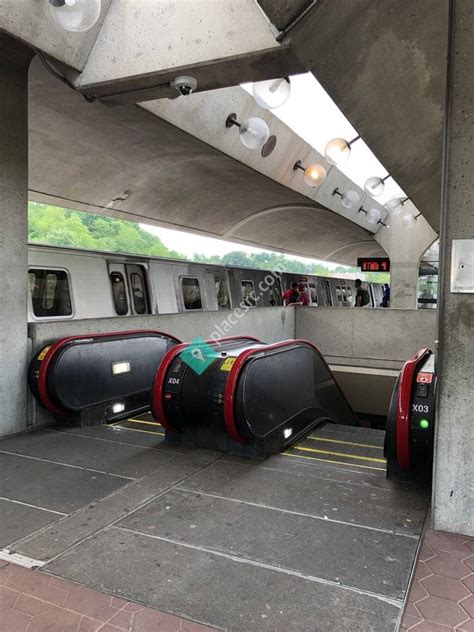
(312, 539)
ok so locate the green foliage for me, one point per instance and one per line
(64, 227)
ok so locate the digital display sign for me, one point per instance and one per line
(374, 264)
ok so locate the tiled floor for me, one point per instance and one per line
(441, 596)
(36, 602)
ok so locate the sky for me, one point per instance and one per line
(314, 116)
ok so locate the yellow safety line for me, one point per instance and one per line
(314, 458)
(142, 421)
(357, 445)
(137, 430)
(346, 456)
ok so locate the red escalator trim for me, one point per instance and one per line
(402, 432)
(234, 374)
(44, 366)
(157, 407)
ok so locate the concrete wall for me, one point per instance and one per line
(270, 325)
(378, 338)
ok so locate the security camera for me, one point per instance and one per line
(184, 85)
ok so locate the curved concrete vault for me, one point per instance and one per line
(128, 163)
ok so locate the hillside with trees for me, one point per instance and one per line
(64, 227)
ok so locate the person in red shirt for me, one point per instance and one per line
(303, 296)
(291, 295)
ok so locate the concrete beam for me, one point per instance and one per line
(31, 22)
(383, 63)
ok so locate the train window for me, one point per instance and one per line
(50, 295)
(339, 293)
(119, 293)
(248, 293)
(138, 293)
(222, 292)
(313, 293)
(191, 293)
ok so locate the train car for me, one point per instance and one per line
(74, 284)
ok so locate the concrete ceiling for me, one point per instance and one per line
(384, 64)
(128, 163)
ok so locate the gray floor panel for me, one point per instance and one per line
(48, 543)
(361, 558)
(218, 590)
(112, 458)
(18, 521)
(382, 508)
(52, 486)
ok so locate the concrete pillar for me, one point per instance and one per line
(14, 63)
(405, 247)
(453, 489)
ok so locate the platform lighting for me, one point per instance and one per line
(349, 199)
(394, 206)
(373, 216)
(314, 175)
(253, 131)
(410, 220)
(375, 186)
(338, 150)
(272, 94)
(75, 16)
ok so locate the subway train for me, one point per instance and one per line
(74, 284)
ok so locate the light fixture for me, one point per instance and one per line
(75, 15)
(410, 220)
(373, 216)
(394, 206)
(349, 199)
(338, 150)
(271, 94)
(253, 131)
(314, 175)
(118, 407)
(375, 186)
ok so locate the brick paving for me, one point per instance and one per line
(32, 601)
(441, 596)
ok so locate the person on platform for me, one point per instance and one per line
(303, 296)
(362, 296)
(386, 296)
(291, 295)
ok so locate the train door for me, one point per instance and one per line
(326, 292)
(313, 293)
(222, 291)
(129, 289)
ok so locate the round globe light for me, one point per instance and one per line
(350, 199)
(409, 220)
(75, 15)
(337, 151)
(271, 94)
(254, 132)
(314, 175)
(373, 215)
(394, 206)
(374, 186)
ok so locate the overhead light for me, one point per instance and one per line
(373, 215)
(75, 16)
(338, 150)
(253, 131)
(349, 199)
(271, 94)
(394, 206)
(410, 220)
(375, 186)
(314, 175)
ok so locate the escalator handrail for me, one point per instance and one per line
(157, 391)
(44, 366)
(234, 374)
(402, 436)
